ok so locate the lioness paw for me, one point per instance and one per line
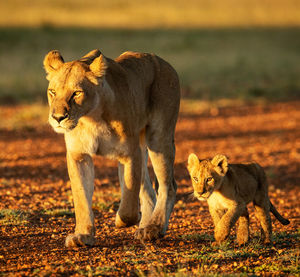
(126, 221)
(75, 240)
(150, 232)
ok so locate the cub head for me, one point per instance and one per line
(73, 89)
(207, 175)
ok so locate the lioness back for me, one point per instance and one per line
(146, 82)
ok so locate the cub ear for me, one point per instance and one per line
(192, 161)
(53, 61)
(98, 66)
(89, 57)
(220, 163)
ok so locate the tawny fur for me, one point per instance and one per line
(123, 109)
(228, 188)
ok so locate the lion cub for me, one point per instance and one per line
(228, 188)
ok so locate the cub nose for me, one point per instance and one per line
(60, 117)
(204, 190)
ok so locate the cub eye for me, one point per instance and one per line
(52, 92)
(209, 179)
(195, 179)
(77, 94)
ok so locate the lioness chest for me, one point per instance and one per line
(97, 138)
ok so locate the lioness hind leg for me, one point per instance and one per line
(164, 100)
(130, 180)
(162, 161)
(242, 232)
(147, 194)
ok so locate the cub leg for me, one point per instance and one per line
(162, 160)
(262, 213)
(225, 224)
(262, 207)
(147, 194)
(242, 232)
(130, 181)
(81, 172)
(216, 215)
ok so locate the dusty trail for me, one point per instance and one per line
(33, 178)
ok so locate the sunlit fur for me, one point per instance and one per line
(228, 188)
(122, 109)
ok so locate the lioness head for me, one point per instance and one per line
(206, 175)
(73, 89)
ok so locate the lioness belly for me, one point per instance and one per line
(112, 148)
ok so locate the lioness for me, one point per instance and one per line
(121, 109)
(228, 188)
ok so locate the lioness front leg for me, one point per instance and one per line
(81, 172)
(130, 172)
(225, 224)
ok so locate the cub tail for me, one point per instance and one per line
(282, 220)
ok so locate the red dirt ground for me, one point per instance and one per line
(33, 178)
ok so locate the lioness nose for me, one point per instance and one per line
(59, 117)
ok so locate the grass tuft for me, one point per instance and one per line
(13, 217)
(59, 213)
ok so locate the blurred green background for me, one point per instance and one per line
(236, 49)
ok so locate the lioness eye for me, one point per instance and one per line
(52, 92)
(195, 179)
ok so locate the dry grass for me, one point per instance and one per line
(212, 64)
(150, 14)
(30, 116)
(23, 116)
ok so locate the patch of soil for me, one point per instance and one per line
(33, 178)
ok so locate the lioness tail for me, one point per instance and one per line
(282, 220)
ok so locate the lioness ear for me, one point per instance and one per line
(220, 163)
(53, 61)
(192, 161)
(98, 66)
(89, 57)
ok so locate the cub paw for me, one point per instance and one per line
(149, 233)
(221, 235)
(242, 240)
(75, 240)
(215, 243)
(220, 238)
(268, 242)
